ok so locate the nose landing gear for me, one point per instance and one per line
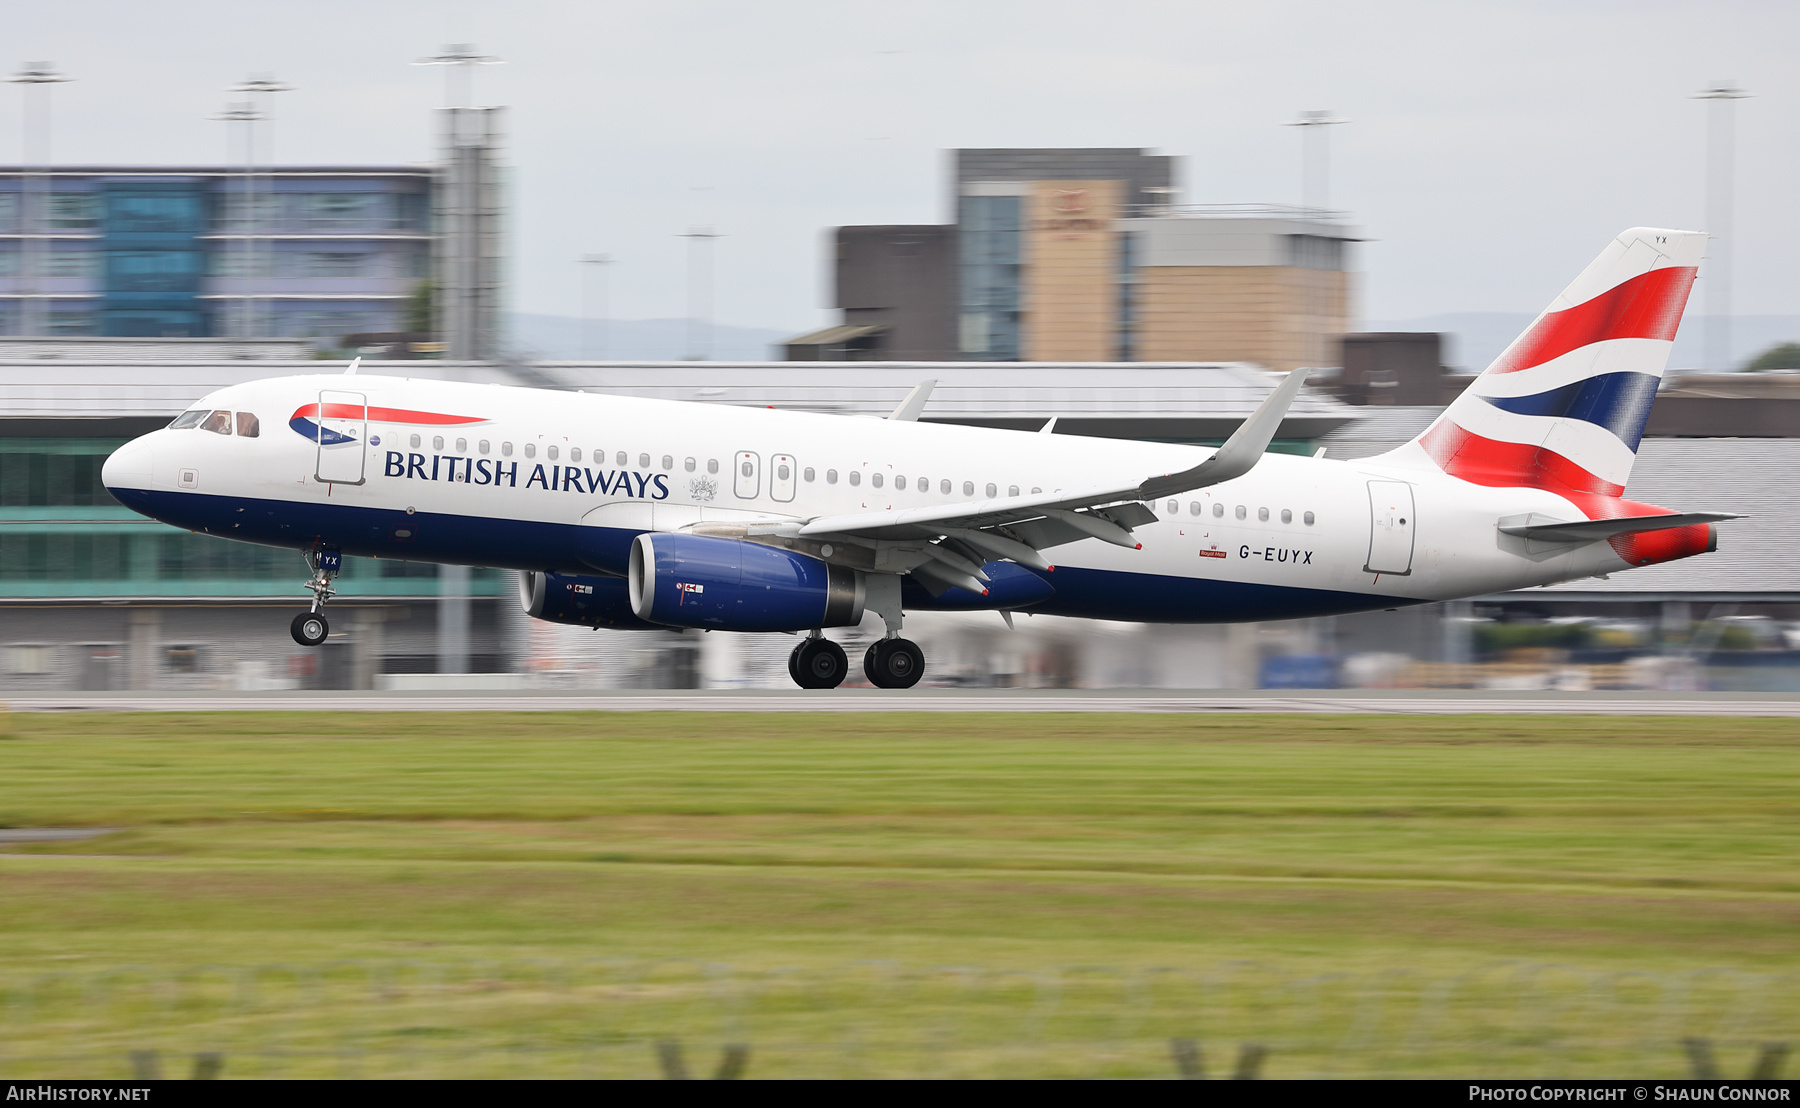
(311, 628)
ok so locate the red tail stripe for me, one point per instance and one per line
(1648, 306)
(385, 415)
(1484, 461)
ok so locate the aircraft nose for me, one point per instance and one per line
(128, 466)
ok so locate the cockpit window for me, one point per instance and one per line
(188, 419)
(247, 425)
(219, 423)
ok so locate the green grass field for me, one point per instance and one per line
(1396, 858)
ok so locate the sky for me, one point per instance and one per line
(1492, 148)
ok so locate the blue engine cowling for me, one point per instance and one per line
(585, 601)
(732, 585)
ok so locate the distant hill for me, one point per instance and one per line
(559, 338)
(1473, 339)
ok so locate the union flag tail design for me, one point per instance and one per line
(1564, 407)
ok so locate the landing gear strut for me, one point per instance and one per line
(894, 664)
(311, 628)
(818, 663)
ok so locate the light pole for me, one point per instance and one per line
(459, 60)
(700, 240)
(266, 87)
(1315, 160)
(1720, 157)
(243, 112)
(593, 265)
(32, 231)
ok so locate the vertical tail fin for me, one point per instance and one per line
(1564, 407)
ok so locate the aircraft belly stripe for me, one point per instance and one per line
(576, 549)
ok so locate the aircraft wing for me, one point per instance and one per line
(961, 537)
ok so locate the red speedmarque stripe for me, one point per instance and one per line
(1511, 465)
(1648, 306)
(385, 415)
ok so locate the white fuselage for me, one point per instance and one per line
(579, 474)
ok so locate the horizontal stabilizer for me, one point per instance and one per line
(1593, 530)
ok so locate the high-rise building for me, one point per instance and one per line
(1083, 255)
(174, 251)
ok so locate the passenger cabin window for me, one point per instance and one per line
(506, 449)
(875, 479)
(219, 423)
(414, 442)
(668, 461)
(552, 453)
(807, 474)
(643, 461)
(247, 426)
(1218, 510)
(531, 450)
(712, 464)
(619, 458)
(188, 419)
(1287, 516)
(688, 465)
(1308, 518)
(574, 453)
(856, 477)
(831, 477)
(482, 446)
(462, 446)
(437, 442)
(1012, 490)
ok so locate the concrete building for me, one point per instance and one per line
(1082, 255)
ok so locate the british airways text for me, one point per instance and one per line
(492, 471)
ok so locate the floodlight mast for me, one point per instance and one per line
(459, 60)
(700, 240)
(33, 232)
(266, 87)
(1720, 162)
(244, 112)
(1315, 160)
(593, 265)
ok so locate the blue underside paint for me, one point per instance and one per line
(574, 549)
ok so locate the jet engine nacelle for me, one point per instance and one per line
(732, 585)
(584, 601)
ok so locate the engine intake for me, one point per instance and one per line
(585, 601)
(732, 585)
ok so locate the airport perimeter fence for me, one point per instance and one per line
(670, 1018)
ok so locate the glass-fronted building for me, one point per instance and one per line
(314, 253)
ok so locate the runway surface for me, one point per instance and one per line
(1366, 702)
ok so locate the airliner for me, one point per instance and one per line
(647, 514)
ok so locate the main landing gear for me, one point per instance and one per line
(311, 628)
(894, 664)
(819, 663)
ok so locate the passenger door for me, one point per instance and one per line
(343, 432)
(1391, 530)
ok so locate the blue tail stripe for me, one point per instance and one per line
(1619, 402)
